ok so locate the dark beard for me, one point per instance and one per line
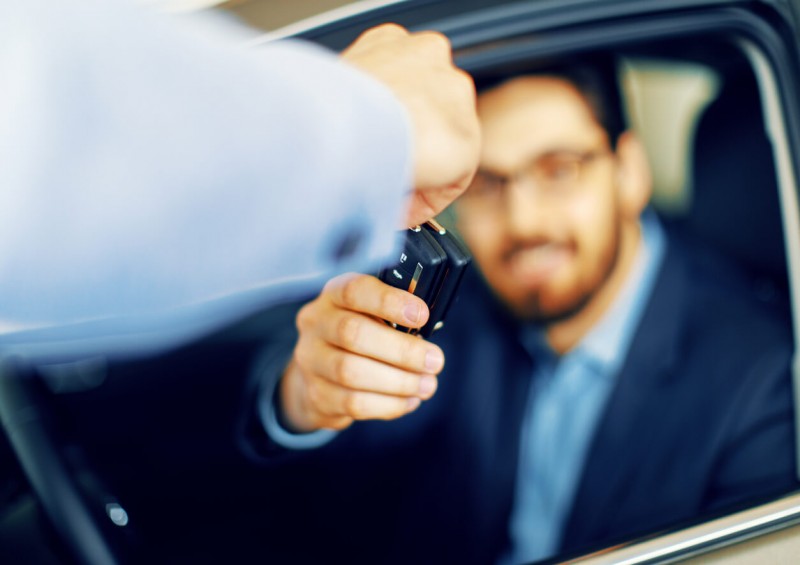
(532, 310)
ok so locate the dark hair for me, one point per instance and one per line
(595, 76)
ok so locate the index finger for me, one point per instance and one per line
(371, 296)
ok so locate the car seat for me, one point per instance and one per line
(735, 204)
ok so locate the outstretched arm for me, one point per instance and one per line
(146, 169)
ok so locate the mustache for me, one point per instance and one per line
(518, 246)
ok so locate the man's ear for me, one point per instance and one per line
(635, 179)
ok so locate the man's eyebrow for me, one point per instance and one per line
(569, 150)
(489, 171)
(483, 169)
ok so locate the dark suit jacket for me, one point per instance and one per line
(700, 421)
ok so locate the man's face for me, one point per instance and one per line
(544, 217)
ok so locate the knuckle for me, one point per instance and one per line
(397, 410)
(410, 385)
(347, 331)
(354, 405)
(338, 424)
(467, 83)
(389, 304)
(301, 354)
(305, 317)
(343, 369)
(409, 353)
(331, 284)
(390, 29)
(315, 396)
(350, 291)
(349, 378)
(435, 40)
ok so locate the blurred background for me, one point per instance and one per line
(272, 14)
(261, 14)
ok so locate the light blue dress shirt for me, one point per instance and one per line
(151, 164)
(567, 398)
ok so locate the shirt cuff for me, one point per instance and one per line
(267, 414)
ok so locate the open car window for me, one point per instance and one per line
(718, 131)
(707, 110)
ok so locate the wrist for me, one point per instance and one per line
(289, 408)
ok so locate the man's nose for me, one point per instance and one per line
(529, 213)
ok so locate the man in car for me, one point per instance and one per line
(603, 378)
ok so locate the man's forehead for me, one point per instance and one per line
(529, 94)
(531, 115)
(525, 85)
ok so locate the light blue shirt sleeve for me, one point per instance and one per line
(269, 380)
(147, 168)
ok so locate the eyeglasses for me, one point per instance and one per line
(557, 173)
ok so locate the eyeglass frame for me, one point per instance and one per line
(581, 160)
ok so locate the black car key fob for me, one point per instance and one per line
(431, 266)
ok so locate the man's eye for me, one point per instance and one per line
(485, 185)
(560, 169)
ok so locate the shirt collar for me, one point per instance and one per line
(606, 345)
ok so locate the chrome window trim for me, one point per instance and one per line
(705, 537)
(775, 122)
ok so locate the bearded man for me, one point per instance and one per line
(602, 380)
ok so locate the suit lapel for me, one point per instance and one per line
(610, 463)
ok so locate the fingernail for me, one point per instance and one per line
(434, 360)
(413, 404)
(412, 312)
(427, 385)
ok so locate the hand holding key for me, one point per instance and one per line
(349, 365)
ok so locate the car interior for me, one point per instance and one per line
(142, 460)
